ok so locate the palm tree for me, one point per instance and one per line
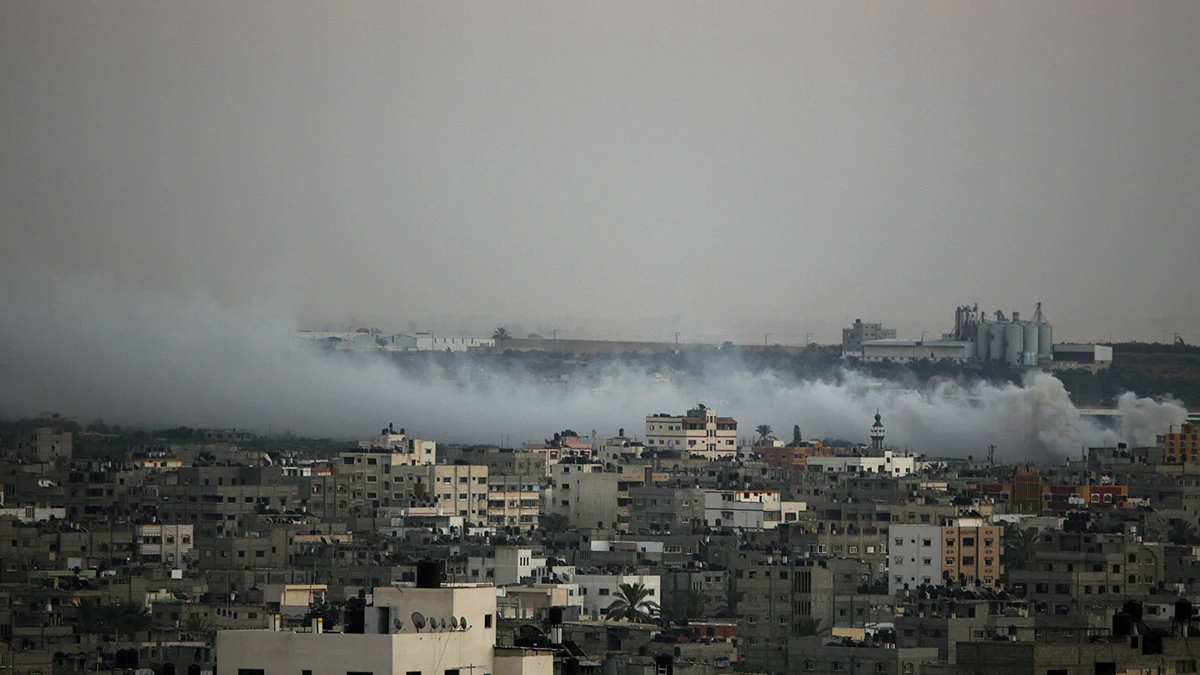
(197, 627)
(1018, 544)
(501, 335)
(1183, 532)
(764, 432)
(632, 604)
(127, 618)
(554, 522)
(689, 605)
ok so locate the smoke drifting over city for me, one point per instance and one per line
(90, 350)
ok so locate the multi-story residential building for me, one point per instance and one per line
(694, 593)
(966, 552)
(163, 543)
(513, 501)
(1181, 446)
(859, 332)
(1072, 572)
(44, 444)
(592, 497)
(665, 508)
(224, 499)
(700, 432)
(749, 509)
(460, 489)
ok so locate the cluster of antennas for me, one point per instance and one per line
(419, 621)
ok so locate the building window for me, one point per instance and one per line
(251, 671)
(487, 620)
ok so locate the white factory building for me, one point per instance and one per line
(904, 351)
(392, 342)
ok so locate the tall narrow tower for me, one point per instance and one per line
(877, 432)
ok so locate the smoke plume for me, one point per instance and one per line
(88, 350)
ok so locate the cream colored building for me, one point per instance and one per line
(392, 643)
(374, 482)
(699, 432)
(513, 501)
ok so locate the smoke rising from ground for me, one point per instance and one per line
(87, 349)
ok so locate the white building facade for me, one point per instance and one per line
(599, 591)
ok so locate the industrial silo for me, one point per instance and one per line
(983, 337)
(1029, 354)
(1014, 342)
(996, 348)
(1045, 342)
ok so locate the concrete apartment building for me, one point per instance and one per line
(513, 501)
(225, 499)
(700, 432)
(1071, 572)
(965, 552)
(749, 509)
(399, 638)
(592, 497)
(665, 508)
(164, 543)
(859, 332)
(44, 444)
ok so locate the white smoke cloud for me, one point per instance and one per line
(91, 350)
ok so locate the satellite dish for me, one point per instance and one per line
(398, 624)
(454, 622)
(462, 622)
(418, 620)
(433, 624)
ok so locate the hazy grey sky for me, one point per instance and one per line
(724, 164)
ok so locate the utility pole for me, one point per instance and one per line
(676, 337)
(554, 334)
(766, 334)
(806, 337)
